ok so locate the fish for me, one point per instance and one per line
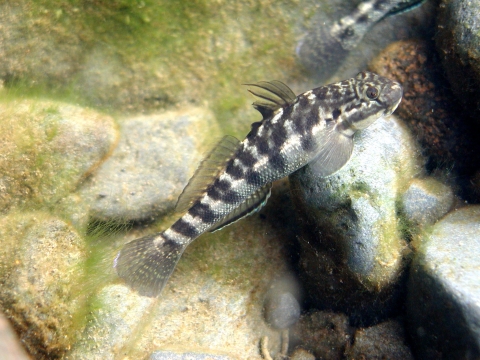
(235, 179)
(325, 47)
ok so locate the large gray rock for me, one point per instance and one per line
(151, 165)
(352, 247)
(458, 44)
(443, 304)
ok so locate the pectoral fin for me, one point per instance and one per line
(253, 204)
(335, 152)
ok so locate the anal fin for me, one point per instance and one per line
(251, 205)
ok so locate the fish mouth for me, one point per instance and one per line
(391, 109)
(394, 97)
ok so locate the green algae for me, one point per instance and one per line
(41, 160)
(39, 296)
(163, 53)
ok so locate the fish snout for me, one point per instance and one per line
(392, 95)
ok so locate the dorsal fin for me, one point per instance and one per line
(273, 95)
(251, 205)
(206, 172)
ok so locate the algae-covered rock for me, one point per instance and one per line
(152, 163)
(352, 247)
(145, 55)
(41, 274)
(47, 148)
(212, 304)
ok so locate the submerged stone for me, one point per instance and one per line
(386, 340)
(443, 303)
(212, 304)
(151, 165)
(41, 273)
(426, 201)
(170, 355)
(352, 247)
(47, 149)
(325, 334)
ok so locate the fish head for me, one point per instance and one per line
(377, 96)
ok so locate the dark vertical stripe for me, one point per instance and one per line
(202, 211)
(235, 171)
(184, 228)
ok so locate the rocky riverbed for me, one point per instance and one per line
(108, 107)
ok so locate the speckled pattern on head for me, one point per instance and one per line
(315, 128)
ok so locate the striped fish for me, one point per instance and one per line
(326, 46)
(315, 128)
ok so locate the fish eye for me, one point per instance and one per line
(372, 93)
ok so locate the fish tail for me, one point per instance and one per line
(146, 263)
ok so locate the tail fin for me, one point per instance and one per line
(146, 263)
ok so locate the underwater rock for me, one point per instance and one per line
(33, 49)
(10, 346)
(112, 325)
(41, 273)
(302, 354)
(281, 306)
(443, 303)
(458, 43)
(152, 163)
(382, 341)
(47, 149)
(212, 304)
(426, 200)
(282, 310)
(170, 355)
(444, 129)
(352, 248)
(325, 334)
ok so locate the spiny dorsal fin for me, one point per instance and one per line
(207, 171)
(273, 94)
(251, 205)
(334, 154)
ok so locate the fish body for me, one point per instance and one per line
(315, 128)
(325, 47)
